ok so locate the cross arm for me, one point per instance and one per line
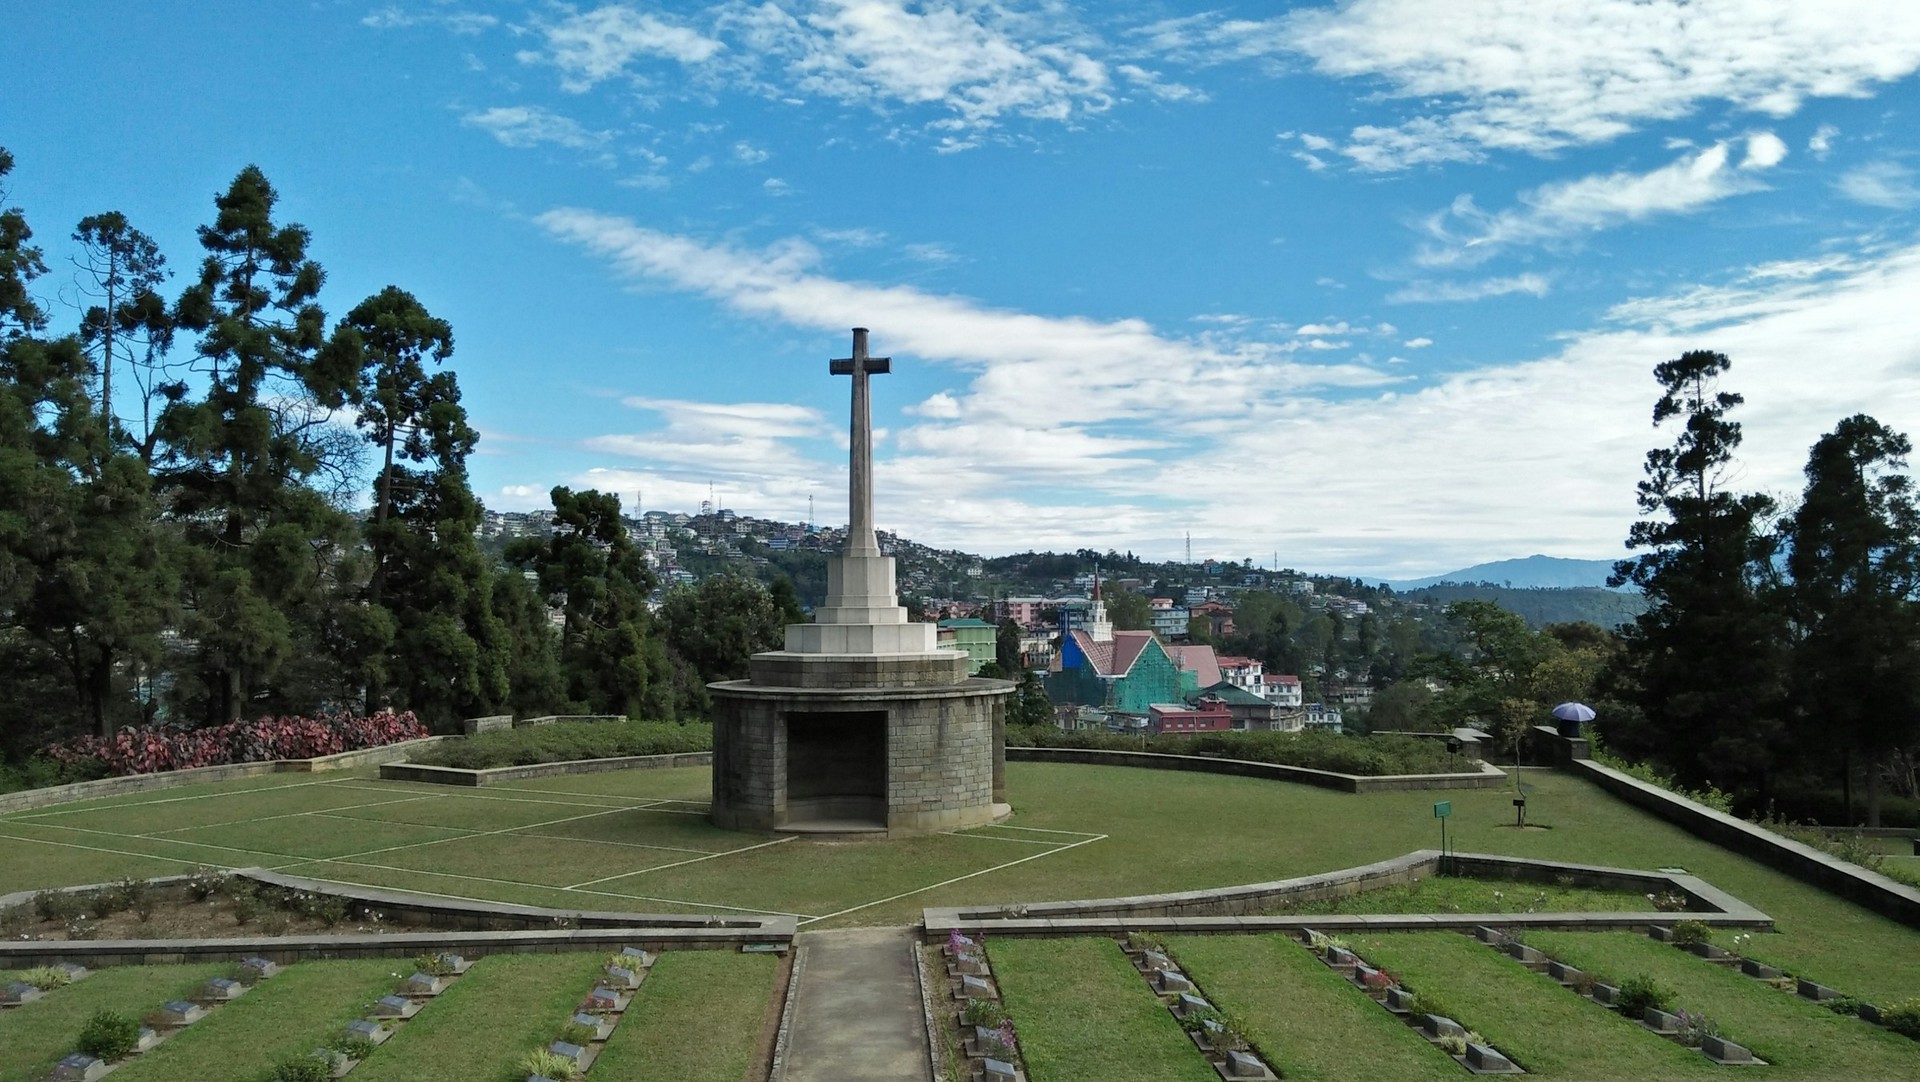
(871, 365)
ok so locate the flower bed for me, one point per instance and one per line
(152, 749)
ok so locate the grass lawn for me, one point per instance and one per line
(301, 1008)
(1303, 1017)
(546, 841)
(479, 1028)
(1452, 894)
(1082, 1014)
(1800, 1038)
(34, 1037)
(1541, 1026)
(696, 1019)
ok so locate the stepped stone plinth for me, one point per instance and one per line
(862, 725)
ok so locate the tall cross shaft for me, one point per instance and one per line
(860, 539)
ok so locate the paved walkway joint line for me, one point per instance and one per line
(857, 1015)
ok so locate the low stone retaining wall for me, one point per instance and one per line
(550, 719)
(449, 775)
(1885, 896)
(1486, 777)
(1230, 909)
(28, 799)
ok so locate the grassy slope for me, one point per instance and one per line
(1083, 1015)
(34, 1037)
(290, 1014)
(477, 1030)
(1544, 1028)
(1306, 1019)
(1801, 1039)
(697, 1019)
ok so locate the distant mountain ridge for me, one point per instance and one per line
(1531, 572)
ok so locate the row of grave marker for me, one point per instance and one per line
(1478, 1058)
(172, 1017)
(1769, 975)
(1666, 1024)
(603, 1008)
(1230, 1058)
(969, 978)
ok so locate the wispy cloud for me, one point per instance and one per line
(592, 46)
(1465, 234)
(1880, 184)
(460, 22)
(1536, 76)
(1535, 285)
(531, 125)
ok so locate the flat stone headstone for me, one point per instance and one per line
(572, 1052)
(1606, 993)
(1759, 969)
(1816, 991)
(1399, 1000)
(1721, 1050)
(14, 993)
(959, 944)
(968, 965)
(603, 999)
(1661, 933)
(975, 988)
(600, 1026)
(147, 1039)
(1171, 983)
(998, 1070)
(1152, 960)
(221, 989)
(1190, 1004)
(73, 972)
(1661, 1021)
(78, 1067)
(622, 977)
(258, 969)
(1439, 1025)
(1362, 971)
(1707, 950)
(641, 959)
(1523, 953)
(393, 1007)
(1489, 935)
(368, 1030)
(179, 1012)
(1562, 972)
(422, 984)
(1245, 1065)
(453, 963)
(1341, 956)
(1870, 1013)
(1488, 1060)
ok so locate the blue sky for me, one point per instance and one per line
(1375, 285)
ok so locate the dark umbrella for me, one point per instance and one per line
(1570, 715)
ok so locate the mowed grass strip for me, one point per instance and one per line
(697, 1018)
(303, 1007)
(1084, 1015)
(34, 865)
(1800, 1038)
(480, 1027)
(1541, 1026)
(1306, 1019)
(35, 1036)
(197, 806)
(316, 835)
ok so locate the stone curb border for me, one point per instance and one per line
(1487, 777)
(449, 775)
(783, 1038)
(1224, 909)
(935, 1047)
(538, 931)
(28, 799)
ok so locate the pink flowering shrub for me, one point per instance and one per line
(151, 749)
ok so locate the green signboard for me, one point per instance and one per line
(1443, 809)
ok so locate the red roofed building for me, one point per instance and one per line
(1125, 671)
(1207, 715)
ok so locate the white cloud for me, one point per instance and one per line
(1323, 328)
(531, 125)
(460, 22)
(1570, 208)
(859, 237)
(776, 186)
(1417, 343)
(941, 406)
(1821, 142)
(930, 252)
(592, 46)
(748, 154)
(1440, 292)
(1538, 75)
(720, 439)
(1764, 151)
(1154, 85)
(1880, 184)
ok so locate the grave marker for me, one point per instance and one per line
(975, 988)
(394, 1007)
(1170, 983)
(1439, 1025)
(1721, 1050)
(622, 977)
(1562, 972)
(1245, 1065)
(1399, 1000)
(602, 1027)
(1661, 1022)
(1488, 1061)
(179, 1012)
(1816, 991)
(997, 1070)
(570, 1052)
(254, 970)
(1190, 1004)
(221, 990)
(368, 1031)
(78, 1067)
(15, 993)
(422, 984)
(1759, 969)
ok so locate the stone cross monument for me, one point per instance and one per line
(862, 725)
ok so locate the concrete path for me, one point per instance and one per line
(856, 1010)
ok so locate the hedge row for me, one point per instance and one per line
(565, 741)
(1365, 755)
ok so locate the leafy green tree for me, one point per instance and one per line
(1128, 611)
(534, 682)
(1029, 705)
(719, 624)
(266, 544)
(1006, 646)
(610, 661)
(1853, 549)
(1704, 664)
(1401, 707)
(130, 325)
